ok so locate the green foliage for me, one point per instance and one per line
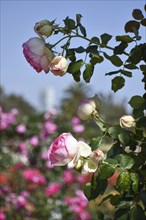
(126, 155)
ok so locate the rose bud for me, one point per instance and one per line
(37, 54)
(127, 121)
(59, 66)
(43, 28)
(86, 109)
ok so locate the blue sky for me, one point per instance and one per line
(17, 21)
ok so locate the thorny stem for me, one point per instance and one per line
(85, 38)
(97, 117)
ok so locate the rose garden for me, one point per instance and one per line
(77, 164)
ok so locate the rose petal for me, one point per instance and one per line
(85, 149)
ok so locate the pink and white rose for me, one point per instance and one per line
(59, 66)
(37, 54)
(66, 150)
(62, 150)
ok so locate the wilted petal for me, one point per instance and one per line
(89, 166)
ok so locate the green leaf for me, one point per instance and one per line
(143, 68)
(120, 48)
(114, 131)
(95, 142)
(124, 182)
(78, 19)
(126, 73)
(143, 197)
(92, 192)
(71, 55)
(131, 25)
(137, 212)
(105, 38)
(76, 76)
(106, 198)
(83, 30)
(116, 60)
(125, 161)
(136, 102)
(95, 40)
(69, 23)
(88, 72)
(87, 190)
(106, 170)
(79, 49)
(135, 181)
(117, 83)
(123, 138)
(121, 214)
(75, 66)
(137, 14)
(143, 22)
(115, 199)
(115, 150)
(113, 72)
(124, 38)
(130, 66)
(135, 55)
(96, 59)
(124, 205)
(93, 50)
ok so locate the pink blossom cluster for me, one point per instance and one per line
(21, 128)
(77, 126)
(18, 200)
(7, 118)
(78, 205)
(34, 175)
(28, 179)
(52, 189)
(2, 215)
(49, 126)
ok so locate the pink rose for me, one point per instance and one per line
(78, 128)
(37, 54)
(62, 150)
(66, 150)
(52, 189)
(68, 177)
(59, 66)
(34, 141)
(21, 128)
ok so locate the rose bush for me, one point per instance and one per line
(126, 154)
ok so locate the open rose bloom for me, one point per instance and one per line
(66, 150)
(37, 54)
